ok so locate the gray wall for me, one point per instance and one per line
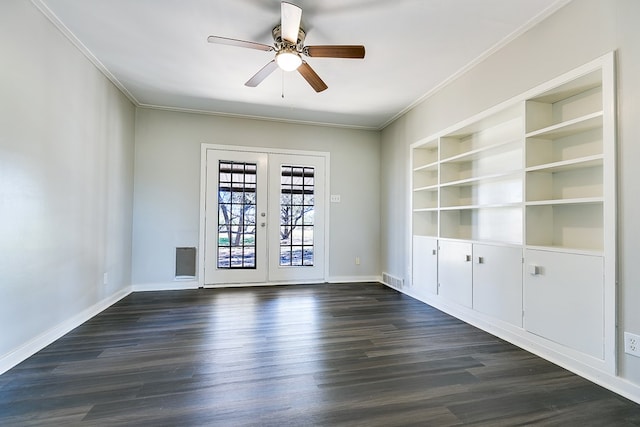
(167, 187)
(580, 32)
(66, 183)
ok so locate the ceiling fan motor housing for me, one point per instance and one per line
(280, 44)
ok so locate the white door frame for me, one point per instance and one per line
(203, 188)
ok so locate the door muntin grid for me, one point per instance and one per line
(237, 215)
(297, 207)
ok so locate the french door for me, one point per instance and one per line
(264, 217)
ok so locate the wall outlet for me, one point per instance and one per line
(105, 279)
(632, 344)
(335, 198)
(357, 260)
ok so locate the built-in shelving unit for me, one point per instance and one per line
(565, 158)
(505, 205)
(425, 189)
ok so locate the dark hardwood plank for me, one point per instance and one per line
(348, 354)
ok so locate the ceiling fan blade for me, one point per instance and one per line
(335, 51)
(311, 77)
(290, 16)
(239, 43)
(262, 74)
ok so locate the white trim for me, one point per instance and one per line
(69, 35)
(263, 284)
(332, 280)
(202, 212)
(36, 344)
(53, 18)
(259, 118)
(265, 150)
(354, 279)
(602, 62)
(166, 286)
(480, 58)
(569, 359)
(327, 217)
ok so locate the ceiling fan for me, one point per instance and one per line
(289, 47)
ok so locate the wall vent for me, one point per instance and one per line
(185, 263)
(392, 281)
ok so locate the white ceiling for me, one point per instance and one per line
(156, 51)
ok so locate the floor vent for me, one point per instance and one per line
(392, 281)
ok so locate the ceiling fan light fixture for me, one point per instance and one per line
(288, 44)
(288, 59)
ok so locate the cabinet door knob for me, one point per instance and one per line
(434, 252)
(480, 260)
(534, 270)
(467, 258)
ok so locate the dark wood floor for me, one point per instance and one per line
(357, 354)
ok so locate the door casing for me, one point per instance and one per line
(203, 186)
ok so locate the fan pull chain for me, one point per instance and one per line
(283, 85)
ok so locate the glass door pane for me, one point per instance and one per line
(236, 214)
(297, 207)
(297, 218)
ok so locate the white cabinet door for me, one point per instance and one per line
(454, 273)
(497, 282)
(425, 265)
(564, 299)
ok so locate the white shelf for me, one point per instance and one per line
(425, 155)
(565, 249)
(428, 167)
(482, 165)
(425, 222)
(577, 201)
(566, 180)
(571, 88)
(427, 188)
(565, 165)
(486, 206)
(480, 179)
(479, 152)
(560, 130)
(571, 225)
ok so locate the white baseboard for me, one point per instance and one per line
(552, 352)
(193, 284)
(354, 279)
(36, 344)
(176, 285)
